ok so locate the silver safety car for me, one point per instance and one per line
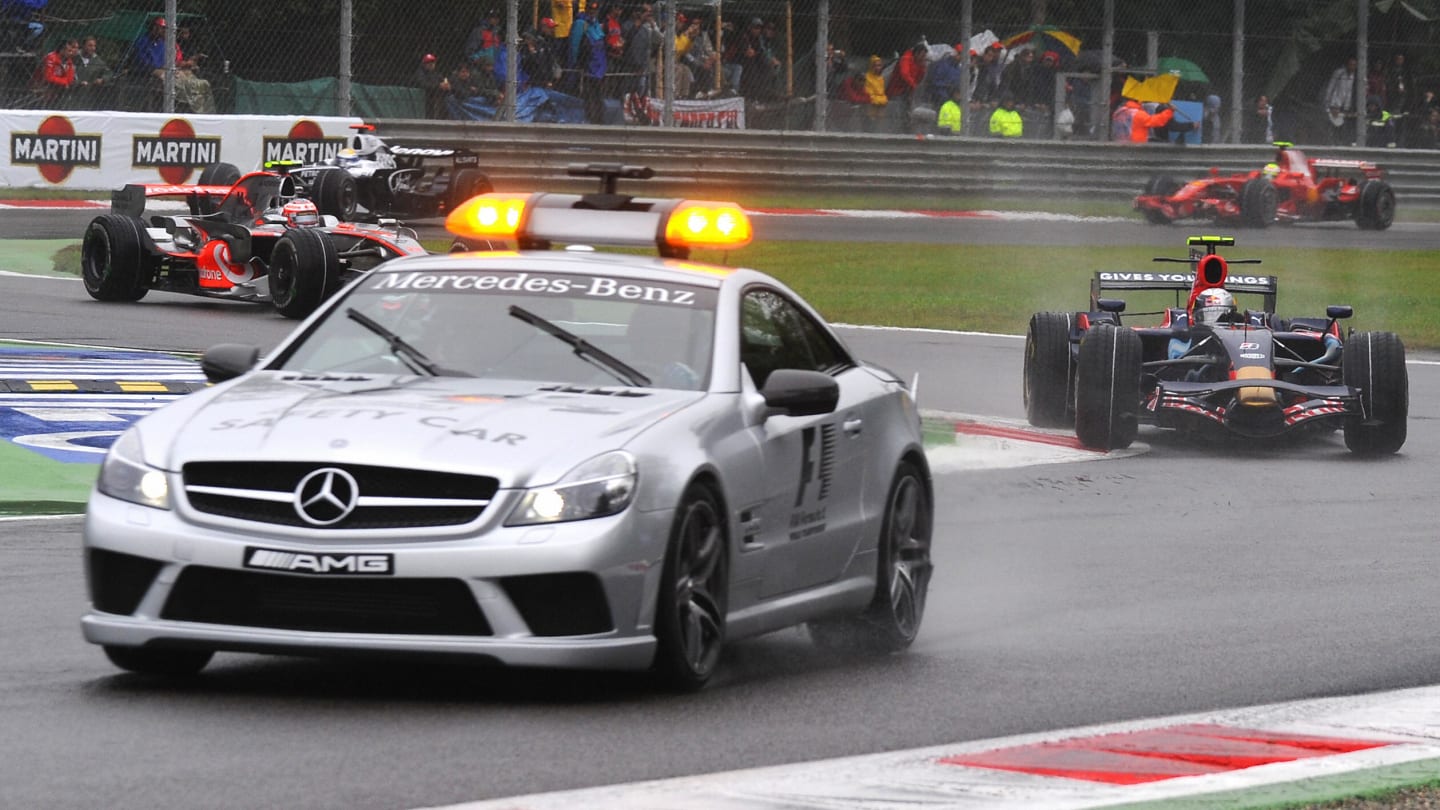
(558, 458)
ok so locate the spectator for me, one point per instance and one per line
(486, 38)
(147, 52)
(1123, 119)
(951, 119)
(1214, 129)
(55, 77)
(988, 77)
(433, 84)
(463, 86)
(91, 73)
(191, 91)
(1018, 78)
(694, 51)
(642, 43)
(23, 28)
(1379, 125)
(1375, 80)
(875, 88)
(908, 73)
(943, 78)
(1339, 100)
(1259, 126)
(588, 62)
(837, 69)
(1145, 121)
(1042, 81)
(1005, 122)
(1398, 96)
(1162, 132)
(1426, 134)
(757, 67)
(537, 56)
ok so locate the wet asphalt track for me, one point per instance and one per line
(1186, 579)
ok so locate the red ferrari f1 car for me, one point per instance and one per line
(1210, 366)
(1291, 189)
(256, 240)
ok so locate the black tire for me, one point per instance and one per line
(113, 261)
(304, 271)
(1107, 387)
(1049, 370)
(902, 579)
(465, 184)
(215, 174)
(1258, 203)
(163, 662)
(1374, 362)
(1159, 185)
(1376, 209)
(335, 193)
(694, 583)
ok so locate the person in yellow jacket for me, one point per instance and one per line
(875, 87)
(1005, 121)
(563, 13)
(951, 118)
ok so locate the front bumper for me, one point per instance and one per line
(498, 574)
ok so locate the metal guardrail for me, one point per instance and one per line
(519, 157)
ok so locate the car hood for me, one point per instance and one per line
(521, 432)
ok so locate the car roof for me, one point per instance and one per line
(648, 268)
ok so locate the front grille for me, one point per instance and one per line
(264, 492)
(119, 581)
(570, 604)
(436, 607)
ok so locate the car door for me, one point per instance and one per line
(813, 466)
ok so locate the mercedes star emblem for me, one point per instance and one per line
(326, 496)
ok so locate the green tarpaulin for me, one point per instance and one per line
(318, 97)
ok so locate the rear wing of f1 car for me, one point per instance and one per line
(130, 200)
(1202, 256)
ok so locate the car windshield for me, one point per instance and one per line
(462, 321)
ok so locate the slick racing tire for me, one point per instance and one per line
(113, 260)
(902, 580)
(1375, 210)
(1159, 185)
(1107, 387)
(1049, 370)
(1258, 202)
(1374, 362)
(304, 271)
(465, 184)
(215, 174)
(335, 193)
(694, 587)
(162, 662)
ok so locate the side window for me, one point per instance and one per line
(775, 334)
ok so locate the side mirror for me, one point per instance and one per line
(1116, 305)
(1336, 312)
(228, 361)
(793, 392)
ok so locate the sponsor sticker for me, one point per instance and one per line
(568, 286)
(320, 563)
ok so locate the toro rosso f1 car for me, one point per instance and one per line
(1210, 366)
(1291, 189)
(254, 241)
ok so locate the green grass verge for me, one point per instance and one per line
(35, 485)
(1337, 790)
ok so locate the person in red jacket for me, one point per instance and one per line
(908, 73)
(1141, 122)
(55, 77)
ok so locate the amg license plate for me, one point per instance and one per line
(319, 562)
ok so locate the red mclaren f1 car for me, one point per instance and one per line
(256, 240)
(1293, 188)
(1210, 366)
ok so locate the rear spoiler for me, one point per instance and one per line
(1267, 286)
(130, 200)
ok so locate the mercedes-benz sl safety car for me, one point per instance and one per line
(568, 459)
(256, 240)
(1211, 366)
(1293, 188)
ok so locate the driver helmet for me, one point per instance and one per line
(1272, 170)
(300, 213)
(1213, 306)
(347, 157)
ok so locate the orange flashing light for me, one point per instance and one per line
(488, 216)
(713, 225)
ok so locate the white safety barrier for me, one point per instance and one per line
(106, 150)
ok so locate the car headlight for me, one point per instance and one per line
(124, 474)
(601, 486)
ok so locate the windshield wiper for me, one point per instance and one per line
(408, 354)
(584, 349)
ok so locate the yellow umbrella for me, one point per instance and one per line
(1156, 88)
